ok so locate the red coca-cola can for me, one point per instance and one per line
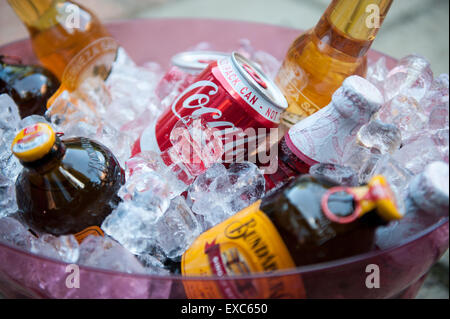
(231, 93)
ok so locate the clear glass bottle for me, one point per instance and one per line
(68, 39)
(319, 60)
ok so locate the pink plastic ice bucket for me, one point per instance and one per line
(403, 266)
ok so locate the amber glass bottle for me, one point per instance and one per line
(65, 186)
(30, 86)
(319, 60)
(308, 221)
(68, 39)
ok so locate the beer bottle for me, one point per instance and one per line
(319, 60)
(324, 136)
(308, 221)
(30, 86)
(65, 187)
(68, 39)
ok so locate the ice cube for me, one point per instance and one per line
(422, 149)
(405, 113)
(151, 229)
(439, 117)
(248, 184)
(339, 174)
(173, 83)
(9, 116)
(147, 170)
(377, 73)
(32, 119)
(105, 253)
(8, 204)
(153, 265)
(438, 94)
(176, 229)
(386, 138)
(219, 193)
(412, 77)
(64, 248)
(132, 223)
(362, 160)
(12, 232)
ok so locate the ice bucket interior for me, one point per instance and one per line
(403, 261)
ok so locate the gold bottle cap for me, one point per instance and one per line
(33, 142)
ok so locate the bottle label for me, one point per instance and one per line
(94, 60)
(245, 244)
(90, 231)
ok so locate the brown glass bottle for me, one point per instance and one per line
(30, 86)
(319, 60)
(307, 221)
(65, 186)
(308, 233)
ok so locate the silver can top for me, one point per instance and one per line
(259, 80)
(195, 62)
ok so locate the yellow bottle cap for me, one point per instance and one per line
(33, 142)
(384, 198)
(376, 195)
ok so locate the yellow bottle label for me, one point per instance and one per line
(93, 230)
(245, 244)
(33, 142)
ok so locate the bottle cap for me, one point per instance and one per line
(430, 189)
(356, 96)
(376, 195)
(33, 142)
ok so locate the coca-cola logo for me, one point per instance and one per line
(201, 100)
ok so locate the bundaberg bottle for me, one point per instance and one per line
(65, 187)
(319, 60)
(308, 221)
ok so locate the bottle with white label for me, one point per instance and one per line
(66, 187)
(324, 136)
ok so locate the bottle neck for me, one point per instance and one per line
(49, 161)
(351, 26)
(38, 14)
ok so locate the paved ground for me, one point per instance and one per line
(412, 26)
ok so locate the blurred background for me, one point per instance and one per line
(412, 26)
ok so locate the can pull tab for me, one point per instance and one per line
(376, 195)
(255, 75)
